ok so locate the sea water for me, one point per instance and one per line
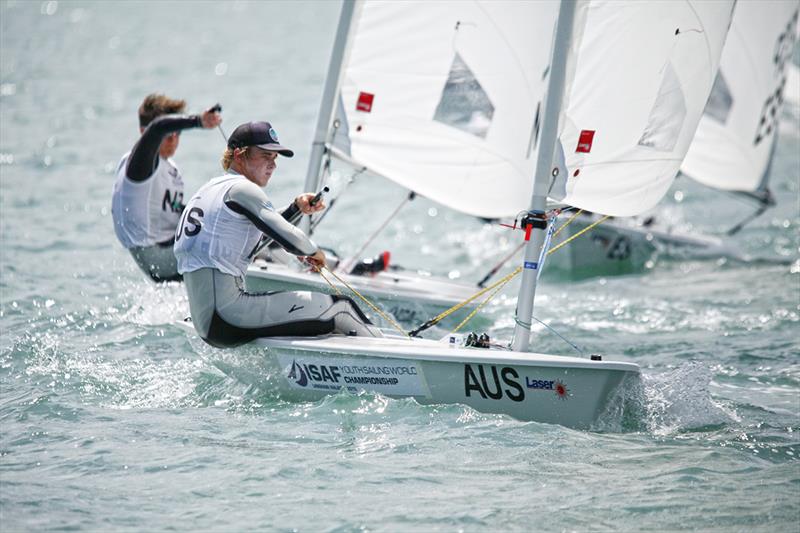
(112, 418)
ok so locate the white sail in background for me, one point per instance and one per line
(444, 98)
(441, 97)
(791, 94)
(641, 73)
(733, 144)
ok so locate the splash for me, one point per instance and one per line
(150, 304)
(112, 383)
(663, 404)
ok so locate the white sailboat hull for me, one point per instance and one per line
(410, 297)
(605, 250)
(553, 389)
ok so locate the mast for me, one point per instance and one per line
(329, 94)
(535, 222)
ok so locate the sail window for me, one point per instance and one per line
(341, 129)
(464, 104)
(719, 103)
(667, 116)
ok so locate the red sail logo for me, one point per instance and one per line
(364, 102)
(585, 141)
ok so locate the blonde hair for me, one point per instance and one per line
(155, 105)
(229, 154)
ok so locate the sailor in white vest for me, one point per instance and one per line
(148, 193)
(221, 226)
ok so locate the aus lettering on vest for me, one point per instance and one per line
(172, 202)
(191, 223)
(493, 384)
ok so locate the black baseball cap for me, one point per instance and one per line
(258, 134)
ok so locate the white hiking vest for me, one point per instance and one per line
(211, 235)
(146, 213)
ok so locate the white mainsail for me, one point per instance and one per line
(641, 75)
(734, 141)
(445, 98)
(441, 97)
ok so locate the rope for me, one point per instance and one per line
(356, 255)
(581, 232)
(497, 286)
(568, 222)
(370, 304)
(458, 306)
(558, 335)
(334, 287)
(548, 238)
(499, 265)
(501, 282)
(319, 218)
(486, 301)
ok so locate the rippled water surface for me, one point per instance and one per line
(111, 417)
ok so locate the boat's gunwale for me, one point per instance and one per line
(439, 352)
(664, 236)
(391, 347)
